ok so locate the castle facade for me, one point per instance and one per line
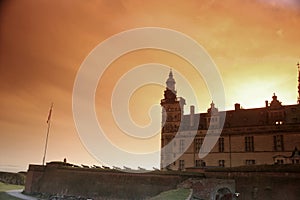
(267, 135)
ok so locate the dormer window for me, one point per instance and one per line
(276, 112)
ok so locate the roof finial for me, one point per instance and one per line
(171, 73)
(274, 97)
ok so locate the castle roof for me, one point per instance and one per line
(289, 114)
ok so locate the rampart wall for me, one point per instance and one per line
(256, 185)
(93, 183)
(262, 182)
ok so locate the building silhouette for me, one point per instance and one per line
(267, 135)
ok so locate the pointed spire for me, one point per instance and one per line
(171, 82)
(171, 74)
(212, 105)
(298, 82)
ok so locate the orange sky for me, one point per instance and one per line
(255, 45)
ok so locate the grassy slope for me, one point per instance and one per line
(178, 194)
(4, 187)
(5, 196)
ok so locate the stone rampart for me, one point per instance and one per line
(96, 183)
(264, 185)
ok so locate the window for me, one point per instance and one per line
(200, 163)
(249, 143)
(278, 142)
(216, 119)
(277, 114)
(279, 161)
(222, 163)
(221, 144)
(250, 162)
(212, 122)
(181, 147)
(197, 144)
(295, 161)
(181, 164)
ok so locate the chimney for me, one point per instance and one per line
(192, 112)
(267, 103)
(237, 106)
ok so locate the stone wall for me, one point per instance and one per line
(257, 185)
(96, 183)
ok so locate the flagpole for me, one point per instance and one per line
(47, 136)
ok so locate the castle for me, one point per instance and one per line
(267, 135)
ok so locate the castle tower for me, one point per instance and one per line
(172, 112)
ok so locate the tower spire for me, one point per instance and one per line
(171, 82)
(298, 65)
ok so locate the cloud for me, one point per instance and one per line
(290, 4)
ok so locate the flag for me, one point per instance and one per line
(49, 116)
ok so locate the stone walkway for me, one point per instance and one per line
(190, 195)
(18, 194)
